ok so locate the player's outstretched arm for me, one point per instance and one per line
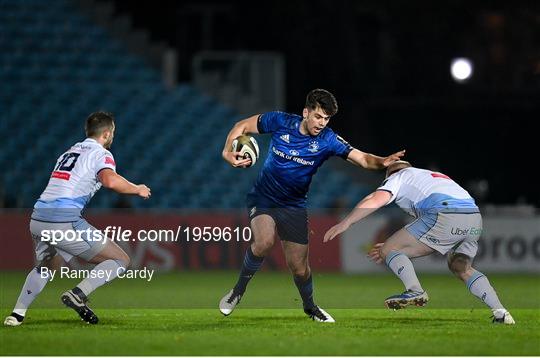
(111, 180)
(366, 206)
(245, 126)
(370, 161)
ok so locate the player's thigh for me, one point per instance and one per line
(47, 256)
(405, 243)
(56, 263)
(292, 225)
(107, 250)
(48, 243)
(53, 260)
(461, 256)
(472, 224)
(111, 251)
(264, 232)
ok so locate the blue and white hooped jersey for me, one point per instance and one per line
(73, 182)
(293, 159)
(420, 191)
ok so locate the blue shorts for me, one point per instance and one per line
(291, 222)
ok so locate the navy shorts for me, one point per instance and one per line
(291, 222)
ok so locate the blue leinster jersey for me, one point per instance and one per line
(292, 159)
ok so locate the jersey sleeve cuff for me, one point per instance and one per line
(392, 196)
(99, 170)
(346, 153)
(259, 124)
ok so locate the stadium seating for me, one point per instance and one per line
(56, 67)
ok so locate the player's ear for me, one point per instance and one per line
(305, 113)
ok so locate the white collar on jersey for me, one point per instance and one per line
(91, 140)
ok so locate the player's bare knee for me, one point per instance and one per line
(453, 263)
(262, 247)
(51, 263)
(298, 266)
(467, 274)
(300, 271)
(459, 264)
(124, 259)
(48, 264)
(385, 250)
(120, 256)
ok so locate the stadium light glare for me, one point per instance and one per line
(461, 69)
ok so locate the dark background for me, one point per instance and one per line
(388, 65)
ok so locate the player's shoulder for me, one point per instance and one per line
(105, 151)
(402, 173)
(329, 135)
(412, 171)
(276, 120)
(100, 151)
(94, 149)
(289, 120)
(104, 157)
(409, 174)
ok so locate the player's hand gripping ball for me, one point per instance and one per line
(248, 148)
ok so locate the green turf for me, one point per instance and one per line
(176, 314)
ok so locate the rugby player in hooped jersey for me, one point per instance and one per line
(277, 202)
(78, 174)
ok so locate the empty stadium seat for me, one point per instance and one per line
(56, 67)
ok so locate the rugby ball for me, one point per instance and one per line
(247, 146)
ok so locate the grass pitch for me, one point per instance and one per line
(176, 314)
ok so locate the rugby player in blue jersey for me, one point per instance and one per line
(277, 202)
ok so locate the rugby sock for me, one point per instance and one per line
(250, 266)
(34, 284)
(479, 286)
(402, 266)
(102, 273)
(305, 287)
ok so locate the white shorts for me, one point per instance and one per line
(83, 245)
(444, 232)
